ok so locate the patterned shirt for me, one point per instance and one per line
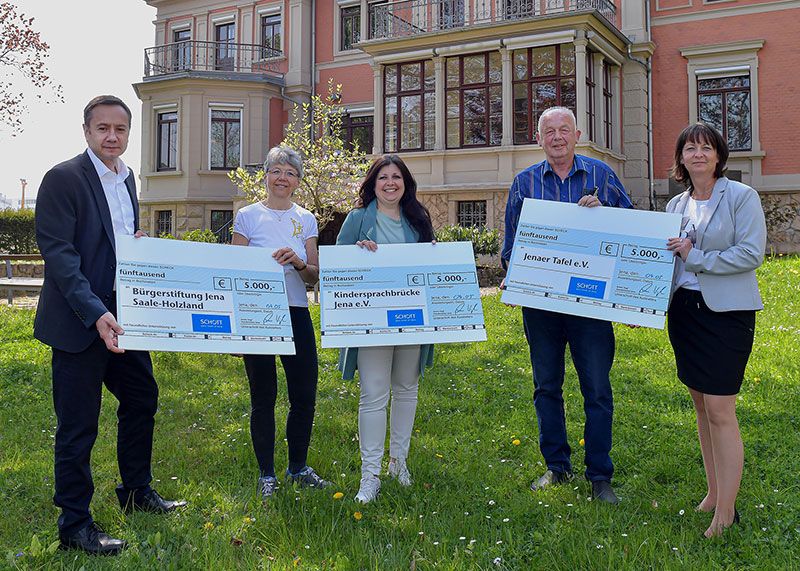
(587, 176)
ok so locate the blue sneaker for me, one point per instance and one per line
(308, 478)
(267, 486)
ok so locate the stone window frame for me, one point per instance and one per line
(156, 213)
(558, 78)
(487, 85)
(473, 204)
(181, 56)
(340, 6)
(162, 123)
(271, 10)
(397, 96)
(156, 110)
(723, 60)
(225, 106)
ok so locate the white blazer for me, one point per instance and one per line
(730, 244)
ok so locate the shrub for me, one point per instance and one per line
(17, 232)
(485, 241)
(193, 236)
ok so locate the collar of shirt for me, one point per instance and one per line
(102, 170)
(577, 165)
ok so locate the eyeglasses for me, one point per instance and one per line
(290, 174)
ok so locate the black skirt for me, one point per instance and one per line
(711, 347)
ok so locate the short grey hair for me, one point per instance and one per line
(284, 156)
(557, 109)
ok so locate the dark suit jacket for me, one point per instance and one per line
(76, 239)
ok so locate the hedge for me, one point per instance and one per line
(484, 241)
(17, 232)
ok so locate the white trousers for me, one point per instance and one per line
(381, 369)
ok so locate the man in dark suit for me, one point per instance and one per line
(82, 204)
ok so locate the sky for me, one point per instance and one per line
(96, 47)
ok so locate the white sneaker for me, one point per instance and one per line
(369, 488)
(399, 470)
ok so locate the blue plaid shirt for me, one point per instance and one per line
(587, 176)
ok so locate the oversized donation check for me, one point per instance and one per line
(605, 263)
(402, 294)
(210, 298)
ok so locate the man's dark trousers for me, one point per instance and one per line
(591, 343)
(78, 380)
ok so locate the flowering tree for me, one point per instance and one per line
(22, 55)
(332, 169)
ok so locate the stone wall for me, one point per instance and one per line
(782, 215)
(26, 270)
(438, 207)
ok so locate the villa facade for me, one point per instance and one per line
(456, 88)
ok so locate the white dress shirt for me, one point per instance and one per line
(119, 201)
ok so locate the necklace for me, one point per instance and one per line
(279, 214)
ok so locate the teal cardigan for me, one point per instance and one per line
(360, 225)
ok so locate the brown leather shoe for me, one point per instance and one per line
(93, 540)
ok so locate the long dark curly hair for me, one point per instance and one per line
(414, 211)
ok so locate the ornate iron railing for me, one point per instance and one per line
(411, 17)
(192, 55)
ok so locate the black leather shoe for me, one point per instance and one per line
(92, 539)
(550, 478)
(147, 501)
(602, 491)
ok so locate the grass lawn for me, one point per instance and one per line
(469, 507)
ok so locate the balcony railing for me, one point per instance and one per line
(411, 17)
(191, 55)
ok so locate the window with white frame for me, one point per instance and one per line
(225, 139)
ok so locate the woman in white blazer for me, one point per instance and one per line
(712, 312)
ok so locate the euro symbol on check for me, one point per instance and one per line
(608, 248)
(221, 283)
(415, 280)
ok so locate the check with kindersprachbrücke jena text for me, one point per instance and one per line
(401, 294)
(604, 263)
(210, 298)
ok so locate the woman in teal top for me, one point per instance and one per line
(388, 212)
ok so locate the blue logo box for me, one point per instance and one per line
(586, 288)
(205, 323)
(404, 317)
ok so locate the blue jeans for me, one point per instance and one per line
(591, 344)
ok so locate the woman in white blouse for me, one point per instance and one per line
(291, 231)
(712, 314)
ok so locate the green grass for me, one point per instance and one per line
(470, 502)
